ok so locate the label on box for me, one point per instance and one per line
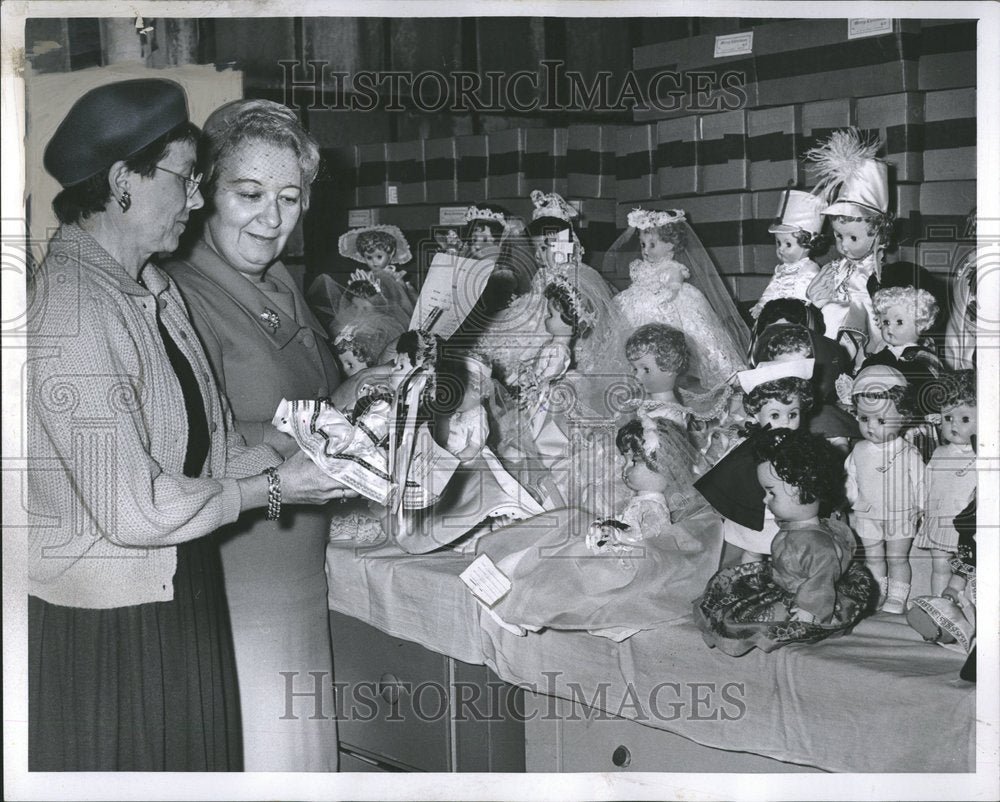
(452, 215)
(860, 28)
(362, 217)
(734, 44)
(392, 194)
(487, 582)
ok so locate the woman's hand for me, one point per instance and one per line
(283, 443)
(302, 482)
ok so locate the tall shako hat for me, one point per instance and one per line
(111, 123)
(849, 177)
(800, 211)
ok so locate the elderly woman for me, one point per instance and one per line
(264, 345)
(133, 462)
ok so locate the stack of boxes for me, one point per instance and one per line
(725, 166)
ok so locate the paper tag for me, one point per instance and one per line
(362, 217)
(859, 28)
(452, 215)
(487, 582)
(734, 44)
(392, 194)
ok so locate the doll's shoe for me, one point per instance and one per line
(895, 601)
(883, 587)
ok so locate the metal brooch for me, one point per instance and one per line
(270, 317)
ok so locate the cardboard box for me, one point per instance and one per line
(819, 120)
(545, 159)
(774, 145)
(440, 170)
(338, 177)
(947, 54)
(472, 160)
(722, 152)
(949, 135)
(803, 60)
(898, 120)
(590, 161)
(406, 170)
(764, 208)
(676, 157)
(505, 171)
(634, 162)
(372, 174)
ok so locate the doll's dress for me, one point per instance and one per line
(789, 281)
(844, 283)
(681, 463)
(558, 582)
(950, 483)
(658, 294)
(812, 567)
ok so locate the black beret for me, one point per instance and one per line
(110, 123)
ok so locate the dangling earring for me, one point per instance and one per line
(125, 201)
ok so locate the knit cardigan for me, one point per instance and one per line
(107, 432)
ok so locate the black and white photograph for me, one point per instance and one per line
(525, 400)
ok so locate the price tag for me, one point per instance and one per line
(860, 28)
(487, 582)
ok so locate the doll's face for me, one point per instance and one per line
(481, 237)
(476, 389)
(780, 416)
(377, 257)
(351, 363)
(898, 325)
(554, 323)
(853, 239)
(958, 424)
(653, 248)
(651, 376)
(878, 419)
(788, 248)
(401, 367)
(791, 356)
(781, 498)
(640, 478)
(362, 304)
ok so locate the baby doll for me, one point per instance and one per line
(797, 237)
(951, 474)
(846, 167)
(811, 588)
(381, 248)
(485, 225)
(885, 481)
(662, 293)
(777, 395)
(904, 313)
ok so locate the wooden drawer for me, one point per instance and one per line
(576, 739)
(393, 696)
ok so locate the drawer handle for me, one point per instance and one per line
(621, 757)
(390, 688)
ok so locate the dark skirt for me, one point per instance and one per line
(744, 608)
(150, 687)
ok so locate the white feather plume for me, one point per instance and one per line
(839, 158)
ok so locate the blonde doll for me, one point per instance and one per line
(676, 283)
(951, 474)
(885, 481)
(797, 237)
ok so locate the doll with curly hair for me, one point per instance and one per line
(903, 314)
(812, 588)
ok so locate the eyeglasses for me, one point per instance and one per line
(191, 182)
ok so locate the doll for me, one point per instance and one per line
(485, 226)
(885, 481)
(776, 395)
(811, 589)
(609, 577)
(381, 249)
(662, 292)
(361, 344)
(951, 474)
(846, 168)
(366, 296)
(903, 314)
(797, 237)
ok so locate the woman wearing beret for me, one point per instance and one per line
(264, 345)
(133, 461)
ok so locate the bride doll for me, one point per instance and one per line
(676, 283)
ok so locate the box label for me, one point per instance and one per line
(734, 44)
(362, 217)
(452, 215)
(860, 28)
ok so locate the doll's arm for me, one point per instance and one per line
(825, 288)
(817, 595)
(851, 487)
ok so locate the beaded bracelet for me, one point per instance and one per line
(273, 493)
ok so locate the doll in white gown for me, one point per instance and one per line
(676, 283)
